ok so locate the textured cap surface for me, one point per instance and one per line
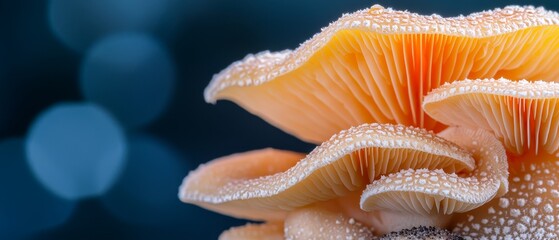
(263, 185)
(420, 191)
(522, 114)
(375, 65)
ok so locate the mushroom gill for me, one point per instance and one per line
(375, 65)
(524, 116)
(413, 197)
(270, 184)
(520, 113)
(265, 184)
(423, 189)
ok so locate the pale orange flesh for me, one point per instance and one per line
(417, 191)
(358, 75)
(266, 184)
(218, 177)
(386, 220)
(323, 222)
(355, 72)
(264, 231)
(530, 210)
(524, 116)
(364, 77)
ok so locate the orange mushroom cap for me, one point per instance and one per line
(426, 192)
(265, 184)
(524, 115)
(375, 65)
(271, 185)
(521, 114)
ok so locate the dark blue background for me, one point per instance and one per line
(38, 69)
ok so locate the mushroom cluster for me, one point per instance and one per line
(406, 142)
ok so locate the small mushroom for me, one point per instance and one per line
(432, 196)
(427, 188)
(524, 116)
(520, 113)
(268, 184)
(414, 197)
(375, 65)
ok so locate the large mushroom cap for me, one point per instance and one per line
(524, 115)
(264, 185)
(375, 65)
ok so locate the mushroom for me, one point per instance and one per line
(375, 65)
(525, 117)
(413, 197)
(269, 184)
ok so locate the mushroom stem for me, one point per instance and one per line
(320, 222)
(386, 221)
(390, 221)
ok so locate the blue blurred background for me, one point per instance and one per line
(102, 114)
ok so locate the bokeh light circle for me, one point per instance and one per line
(76, 150)
(146, 192)
(25, 205)
(80, 23)
(129, 74)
